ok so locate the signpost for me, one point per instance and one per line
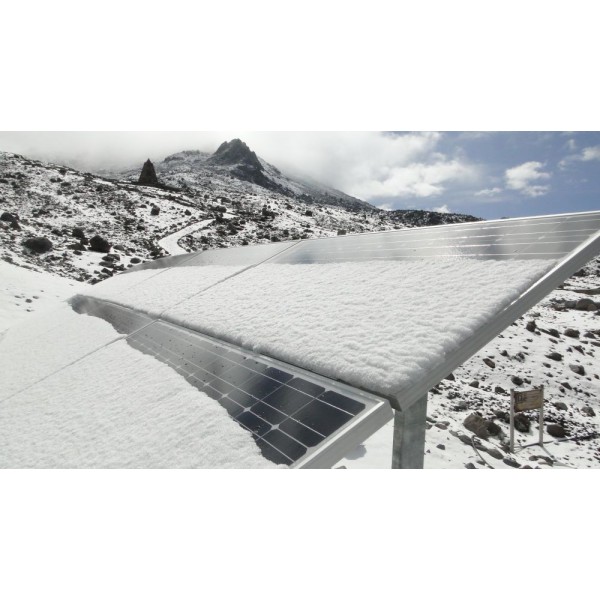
(527, 400)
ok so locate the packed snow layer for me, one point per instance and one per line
(378, 325)
(120, 408)
(154, 290)
(36, 348)
(24, 292)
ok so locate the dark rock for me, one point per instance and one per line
(135, 260)
(148, 174)
(494, 429)
(560, 405)
(8, 217)
(119, 247)
(516, 380)
(474, 383)
(585, 304)
(553, 332)
(588, 411)
(470, 466)
(450, 377)
(578, 369)
(459, 406)
(155, 211)
(522, 423)
(99, 244)
(78, 233)
(441, 447)
(490, 363)
(39, 245)
(566, 385)
(495, 453)
(556, 430)
(478, 425)
(554, 356)
(499, 390)
(531, 326)
(511, 462)
(570, 332)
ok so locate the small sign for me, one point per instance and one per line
(528, 400)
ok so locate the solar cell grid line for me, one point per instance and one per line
(262, 394)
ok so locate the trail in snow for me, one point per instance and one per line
(170, 242)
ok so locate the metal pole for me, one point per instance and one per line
(541, 422)
(512, 421)
(409, 436)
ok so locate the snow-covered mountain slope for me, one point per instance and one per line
(201, 195)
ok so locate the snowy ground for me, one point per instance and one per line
(24, 292)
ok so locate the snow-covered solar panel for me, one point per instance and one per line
(293, 416)
(309, 344)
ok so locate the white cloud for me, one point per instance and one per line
(590, 153)
(522, 177)
(442, 209)
(489, 192)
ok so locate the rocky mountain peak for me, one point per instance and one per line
(148, 174)
(236, 152)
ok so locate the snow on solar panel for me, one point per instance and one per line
(307, 344)
(387, 313)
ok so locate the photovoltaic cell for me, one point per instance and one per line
(288, 415)
(547, 237)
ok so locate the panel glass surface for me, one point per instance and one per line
(548, 237)
(288, 414)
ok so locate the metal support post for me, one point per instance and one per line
(409, 436)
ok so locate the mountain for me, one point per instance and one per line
(88, 227)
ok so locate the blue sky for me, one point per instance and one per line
(487, 174)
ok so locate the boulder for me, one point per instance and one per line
(585, 304)
(556, 430)
(478, 425)
(99, 244)
(148, 174)
(578, 369)
(39, 245)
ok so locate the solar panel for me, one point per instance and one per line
(290, 413)
(302, 418)
(548, 237)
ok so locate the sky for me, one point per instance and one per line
(486, 174)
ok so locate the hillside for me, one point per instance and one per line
(209, 198)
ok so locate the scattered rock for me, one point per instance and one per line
(478, 425)
(39, 245)
(450, 377)
(441, 447)
(511, 462)
(78, 233)
(571, 332)
(474, 383)
(490, 363)
(588, 411)
(135, 260)
(554, 356)
(516, 380)
(155, 211)
(531, 326)
(499, 390)
(556, 430)
(470, 466)
(99, 244)
(495, 453)
(560, 405)
(522, 423)
(578, 369)
(585, 304)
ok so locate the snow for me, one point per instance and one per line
(155, 290)
(24, 292)
(376, 325)
(74, 394)
(170, 242)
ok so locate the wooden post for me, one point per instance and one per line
(541, 419)
(512, 421)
